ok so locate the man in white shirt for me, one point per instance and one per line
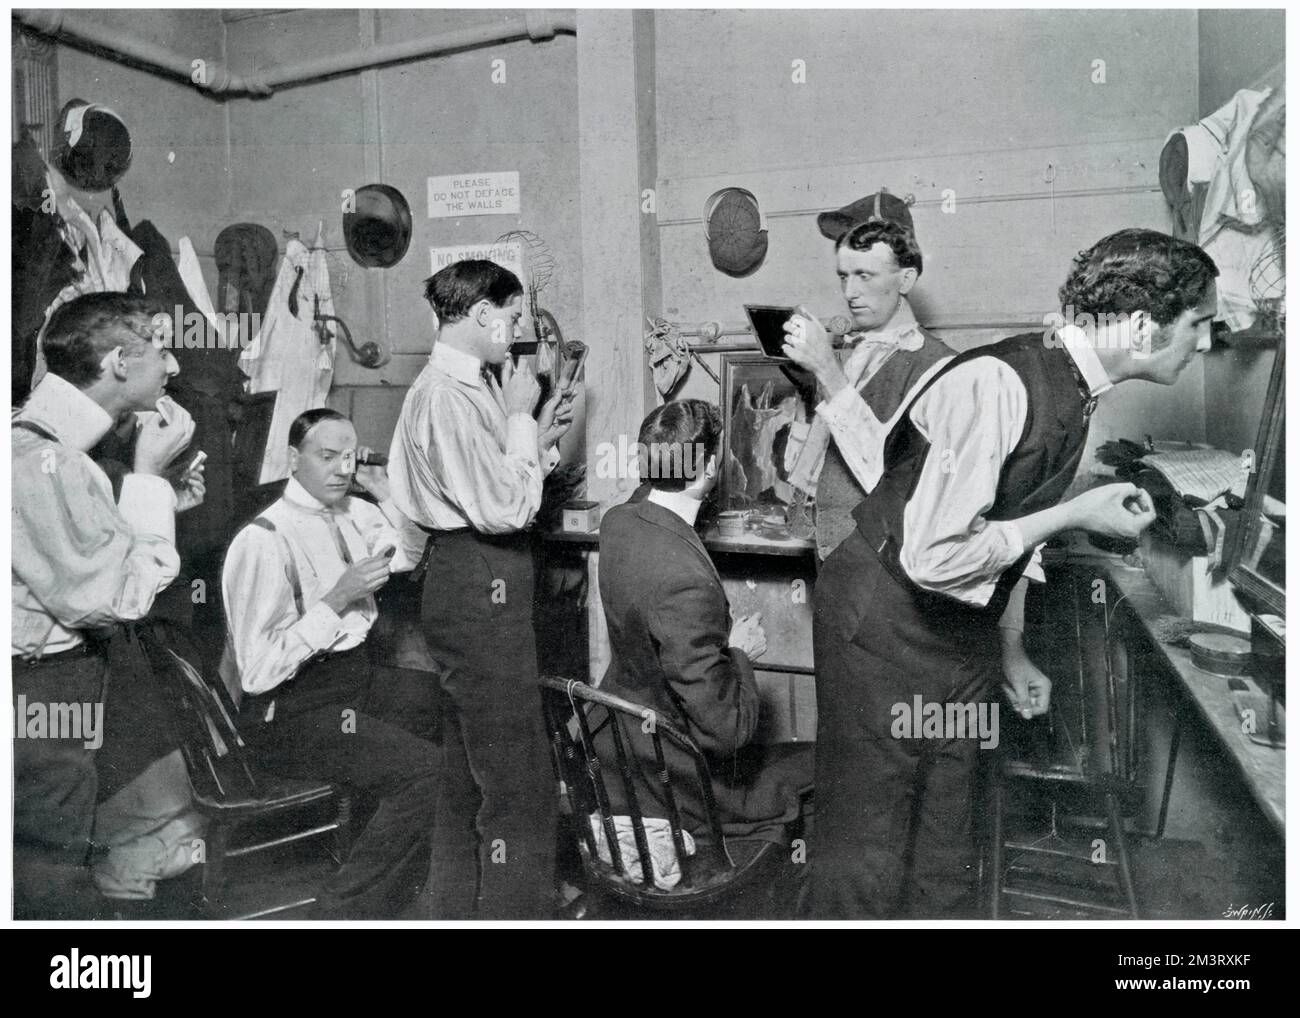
(467, 465)
(80, 562)
(924, 600)
(298, 588)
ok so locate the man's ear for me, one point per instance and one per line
(294, 456)
(1141, 335)
(114, 363)
(482, 312)
(711, 466)
(908, 280)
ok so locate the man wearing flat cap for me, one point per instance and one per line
(886, 357)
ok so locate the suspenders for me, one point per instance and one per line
(291, 570)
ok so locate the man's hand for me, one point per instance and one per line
(162, 436)
(519, 388)
(373, 478)
(190, 488)
(1113, 510)
(1028, 689)
(359, 579)
(747, 634)
(555, 418)
(809, 345)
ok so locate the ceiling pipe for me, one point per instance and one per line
(217, 78)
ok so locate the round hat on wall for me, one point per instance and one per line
(378, 229)
(733, 226)
(92, 148)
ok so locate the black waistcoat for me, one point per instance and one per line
(1034, 477)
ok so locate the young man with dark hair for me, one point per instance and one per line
(468, 461)
(674, 647)
(925, 598)
(82, 561)
(298, 588)
(886, 357)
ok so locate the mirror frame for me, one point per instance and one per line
(1262, 592)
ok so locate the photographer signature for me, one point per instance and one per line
(1249, 911)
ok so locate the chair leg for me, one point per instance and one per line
(214, 865)
(1121, 849)
(1169, 776)
(994, 876)
(343, 833)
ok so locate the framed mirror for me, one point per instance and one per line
(1259, 559)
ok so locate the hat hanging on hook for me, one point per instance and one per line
(377, 230)
(733, 227)
(92, 148)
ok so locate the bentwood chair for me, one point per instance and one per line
(713, 881)
(246, 813)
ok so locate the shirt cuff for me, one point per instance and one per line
(550, 459)
(319, 627)
(521, 436)
(148, 504)
(840, 407)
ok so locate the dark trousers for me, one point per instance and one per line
(494, 848)
(54, 790)
(342, 720)
(893, 833)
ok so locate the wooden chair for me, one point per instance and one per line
(1079, 765)
(710, 879)
(227, 790)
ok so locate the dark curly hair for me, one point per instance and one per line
(898, 239)
(1138, 270)
(676, 441)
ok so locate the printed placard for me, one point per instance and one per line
(509, 255)
(474, 194)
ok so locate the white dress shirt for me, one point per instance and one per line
(458, 459)
(267, 640)
(79, 560)
(858, 433)
(973, 418)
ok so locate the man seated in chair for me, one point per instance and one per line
(675, 650)
(298, 587)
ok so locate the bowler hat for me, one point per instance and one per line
(378, 229)
(881, 205)
(92, 148)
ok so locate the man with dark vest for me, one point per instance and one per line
(911, 605)
(886, 357)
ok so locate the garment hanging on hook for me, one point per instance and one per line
(289, 356)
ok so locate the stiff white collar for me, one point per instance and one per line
(300, 498)
(461, 366)
(676, 502)
(1085, 358)
(66, 412)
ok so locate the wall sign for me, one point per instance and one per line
(509, 255)
(474, 194)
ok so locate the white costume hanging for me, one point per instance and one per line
(287, 356)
